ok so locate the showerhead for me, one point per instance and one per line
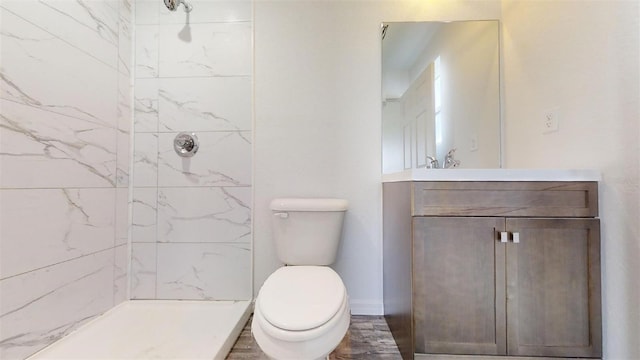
(173, 5)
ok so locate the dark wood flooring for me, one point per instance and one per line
(368, 338)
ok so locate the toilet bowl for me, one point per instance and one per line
(301, 313)
(302, 310)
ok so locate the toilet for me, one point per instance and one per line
(302, 310)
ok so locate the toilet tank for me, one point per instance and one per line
(307, 231)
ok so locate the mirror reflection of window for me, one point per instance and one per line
(437, 100)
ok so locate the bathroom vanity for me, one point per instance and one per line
(493, 263)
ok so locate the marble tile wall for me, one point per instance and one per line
(191, 218)
(65, 129)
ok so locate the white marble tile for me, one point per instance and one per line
(223, 159)
(147, 11)
(125, 121)
(120, 271)
(125, 102)
(205, 104)
(145, 160)
(123, 156)
(143, 271)
(146, 51)
(125, 42)
(43, 71)
(41, 227)
(204, 214)
(122, 216)
(222, 49)
(126, 10)
(144, 219)
(42, 306)
(90, 26)
(146, 105)
(204, 271)
(69, 152)
(207, 11)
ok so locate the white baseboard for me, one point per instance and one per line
(366, 307)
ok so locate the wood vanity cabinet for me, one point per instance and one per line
(494, 268)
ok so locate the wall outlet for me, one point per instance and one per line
(550, 120)
(473, 142)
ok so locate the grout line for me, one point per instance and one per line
(131, 159)
(116, 223)
(63, 188)
(94, 121)
(197, 131)
(124, 187)
(195, 77)
(58, 263)
(195, 242)
(221, 22)
(190, 187)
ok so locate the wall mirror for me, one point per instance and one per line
(440, 92)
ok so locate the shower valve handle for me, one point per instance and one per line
(186, 144)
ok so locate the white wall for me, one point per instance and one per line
(583, 57)
(318, 120)
(65, 119)
(191, 224)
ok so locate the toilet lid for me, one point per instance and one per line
(301, 297)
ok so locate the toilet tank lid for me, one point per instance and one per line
(309, 204)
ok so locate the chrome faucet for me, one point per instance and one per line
(432, 163)
(449, 161)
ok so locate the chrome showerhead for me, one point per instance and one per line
(173, 5)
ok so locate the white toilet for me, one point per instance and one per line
(302, 310)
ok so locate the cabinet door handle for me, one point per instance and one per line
(516, 237)
(504, 236)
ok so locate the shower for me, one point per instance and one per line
(173, 5)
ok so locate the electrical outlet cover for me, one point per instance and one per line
(550, 120)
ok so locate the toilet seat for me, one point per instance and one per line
(300, 303)
(315, 344)
(300, 298)
(304, 335)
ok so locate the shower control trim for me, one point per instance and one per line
(186, 144)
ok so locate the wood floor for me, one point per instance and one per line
(368, 338)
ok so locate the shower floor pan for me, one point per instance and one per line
(156, 329)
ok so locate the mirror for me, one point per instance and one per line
(440, 92)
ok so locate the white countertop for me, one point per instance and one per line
(494, 175)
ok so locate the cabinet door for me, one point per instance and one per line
(458, 285)
(553, 288)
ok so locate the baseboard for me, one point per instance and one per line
(366, 307)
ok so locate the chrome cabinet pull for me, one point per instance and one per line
(504, 237)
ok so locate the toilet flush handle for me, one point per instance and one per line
(282, 215)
